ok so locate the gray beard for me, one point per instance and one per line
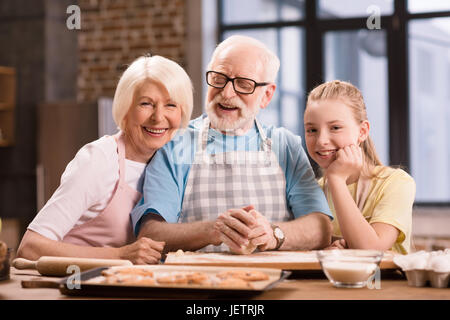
(234, 127)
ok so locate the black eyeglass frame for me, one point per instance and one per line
(256, 84)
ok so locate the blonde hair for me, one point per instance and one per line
(159, 69)
(352, 97)
(269, 61)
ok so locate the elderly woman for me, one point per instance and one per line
(89, 213)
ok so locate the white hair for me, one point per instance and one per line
(159, 69)
(269, 61)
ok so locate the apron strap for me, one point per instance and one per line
(121, 153)
(266, 142)
(362, 191)
(203, 135)
(201, 155)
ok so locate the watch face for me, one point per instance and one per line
(278, 233)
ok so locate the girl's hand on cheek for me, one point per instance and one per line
(348, 161)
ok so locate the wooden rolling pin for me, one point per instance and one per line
(57, 266)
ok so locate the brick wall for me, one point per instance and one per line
(115, 32)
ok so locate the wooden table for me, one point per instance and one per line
(290, 289)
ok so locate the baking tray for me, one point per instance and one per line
(170, 291)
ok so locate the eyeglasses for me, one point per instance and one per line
(240, 85)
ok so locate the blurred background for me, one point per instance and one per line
(57, 82)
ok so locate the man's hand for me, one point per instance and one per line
(235, 226)
(142, 251)
(262, 235)
(245, 229)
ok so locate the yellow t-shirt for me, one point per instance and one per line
(390, 200)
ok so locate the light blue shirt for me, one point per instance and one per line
(167, 174)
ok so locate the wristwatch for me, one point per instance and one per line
(279, 236)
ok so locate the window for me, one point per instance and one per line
(286, 108)
(260, 11)
(420, 6)
(429, 56)
(352, 8)
(360, 58)
(402, 70)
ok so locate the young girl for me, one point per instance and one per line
(371, 203)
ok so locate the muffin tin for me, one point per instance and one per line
(423, 268)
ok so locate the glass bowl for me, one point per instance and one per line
(349, 268)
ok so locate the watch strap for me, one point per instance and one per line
(279, 240)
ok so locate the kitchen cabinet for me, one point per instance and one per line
(7, 105)
(63, 127)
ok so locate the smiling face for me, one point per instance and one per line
(329, 126)
(231, 111)
(151, 121)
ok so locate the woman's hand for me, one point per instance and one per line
(338, 244)
(349, 161)
(142, 251)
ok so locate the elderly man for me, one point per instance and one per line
(227, 180)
